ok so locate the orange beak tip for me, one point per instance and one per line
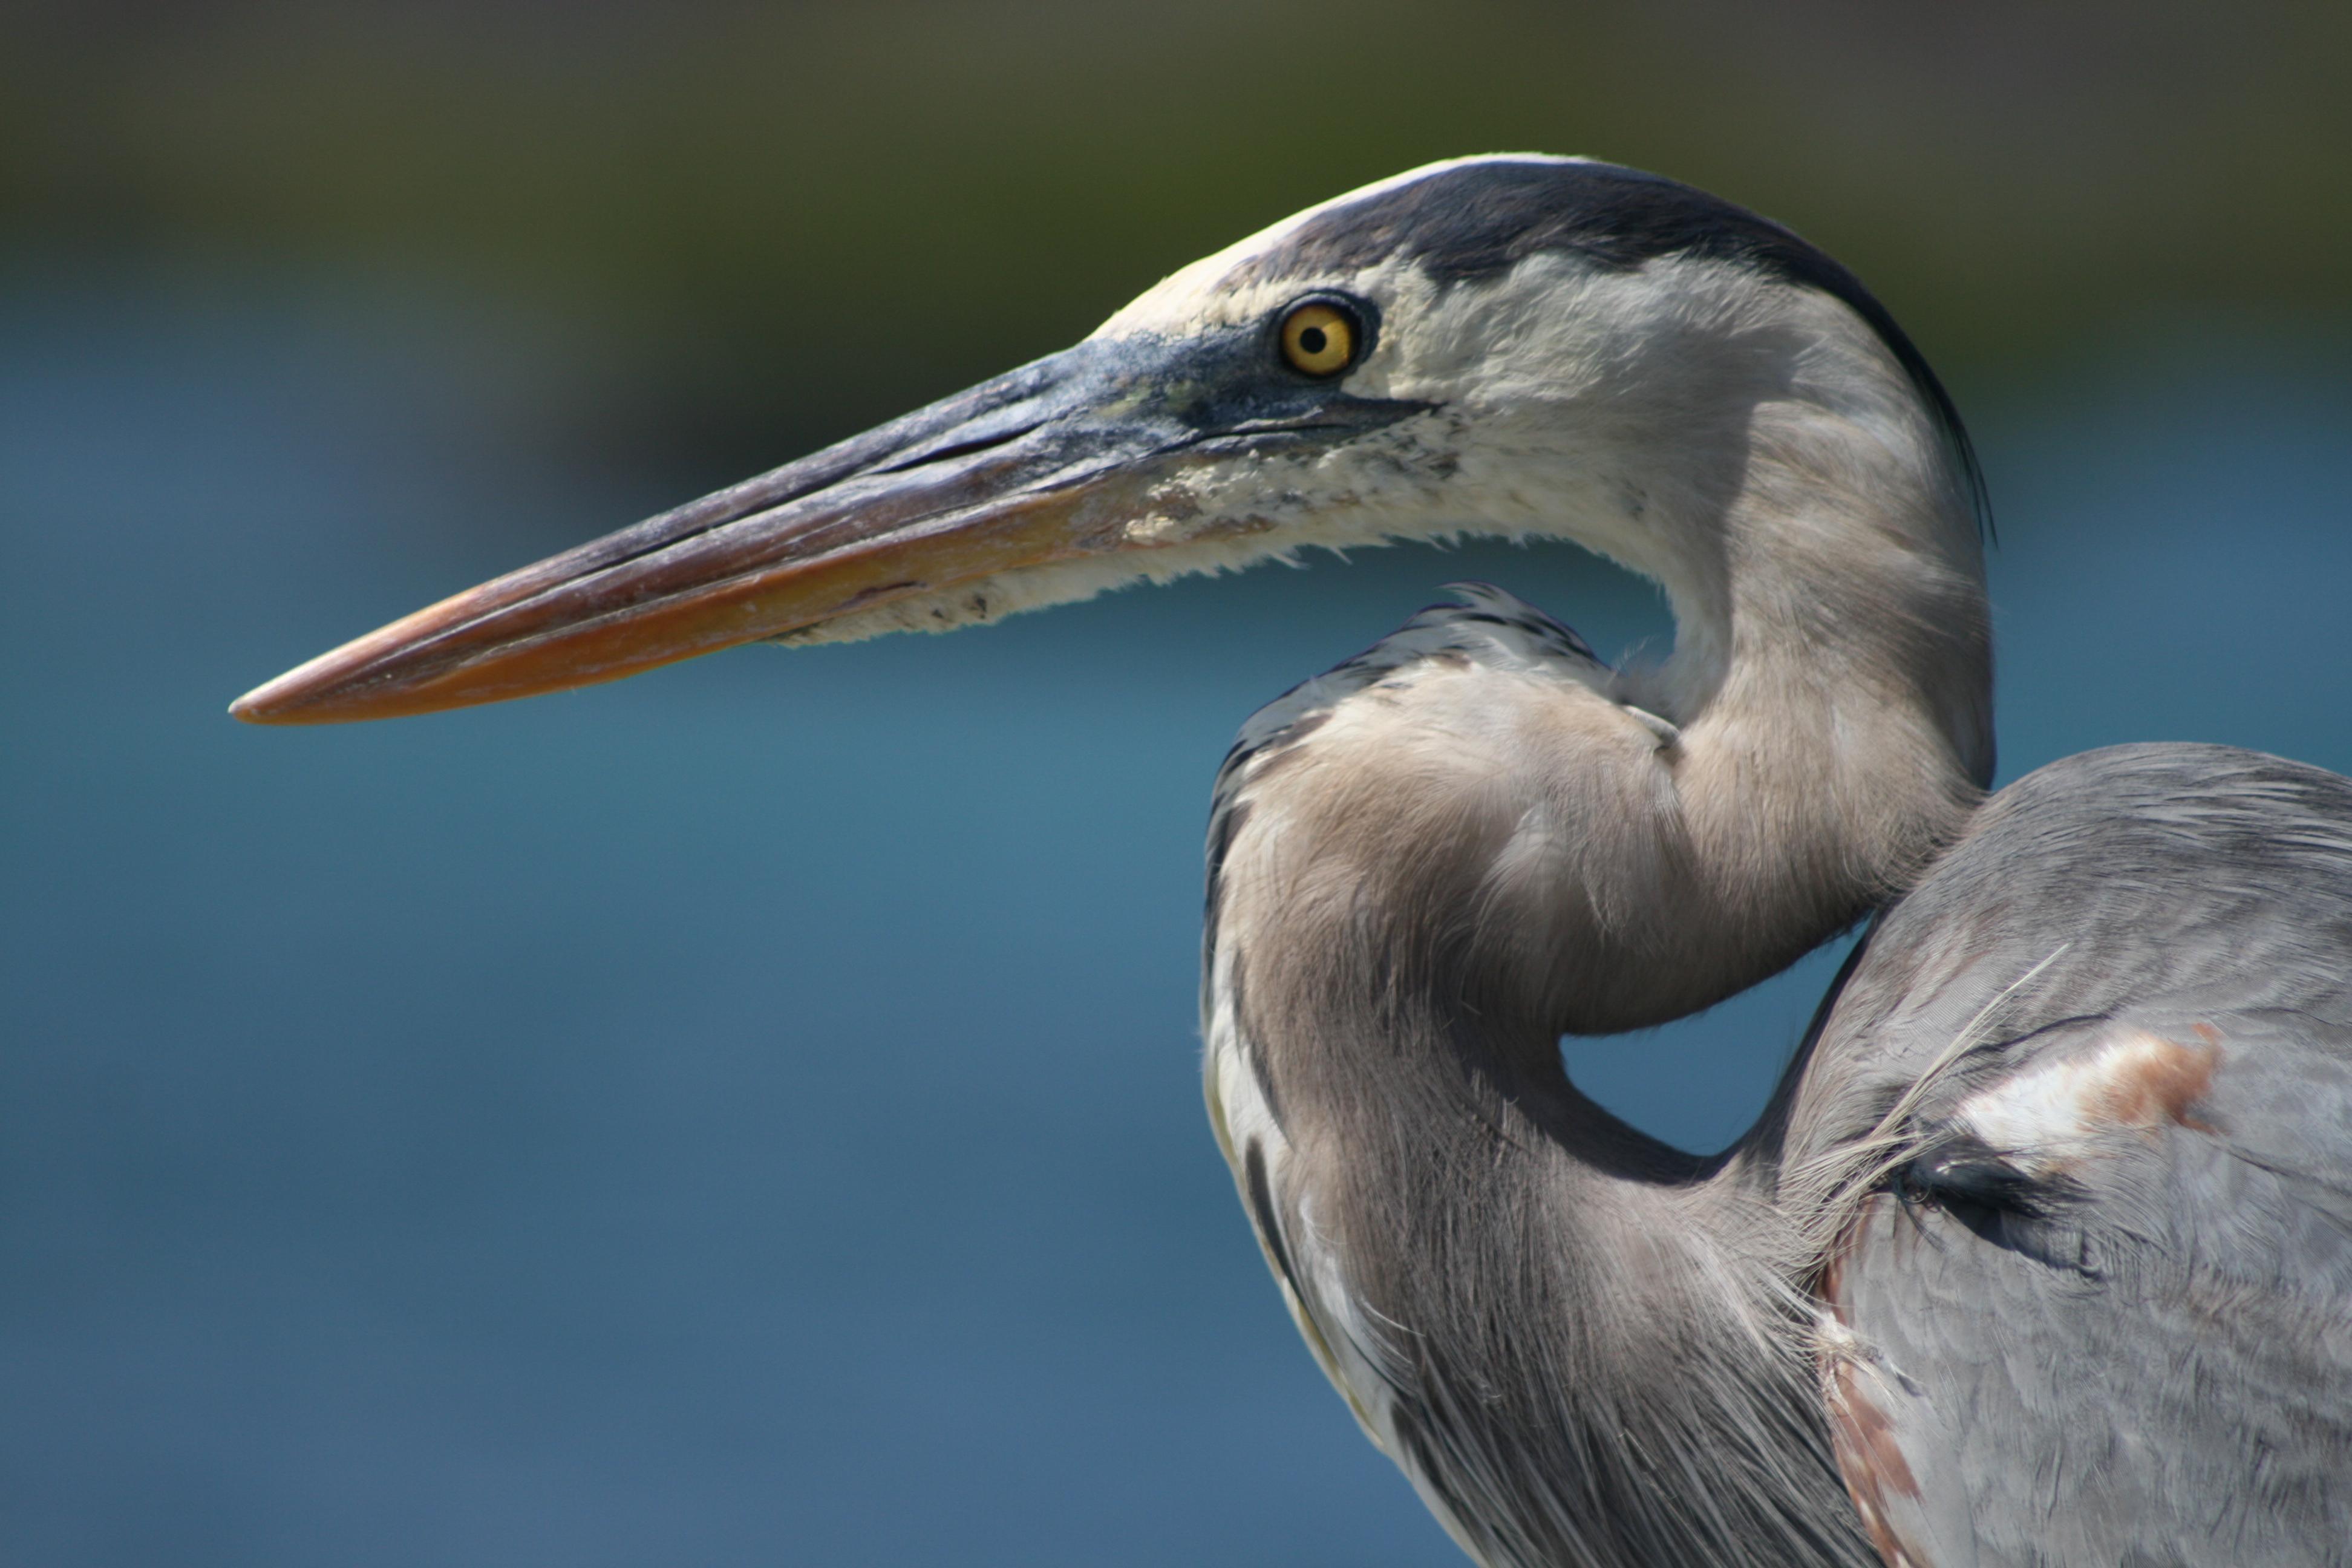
(253, 708)
(272, 704)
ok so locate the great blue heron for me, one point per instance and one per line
(2042, 1251)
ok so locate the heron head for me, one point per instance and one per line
(1512, 345)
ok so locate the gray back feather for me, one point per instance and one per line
(2097, 1305)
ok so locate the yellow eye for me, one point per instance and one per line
(1318, 338)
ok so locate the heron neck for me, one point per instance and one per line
(1563, 1331)
(1832, 680)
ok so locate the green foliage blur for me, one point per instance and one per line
(818, 214)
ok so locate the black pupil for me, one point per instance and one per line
(1311, 339)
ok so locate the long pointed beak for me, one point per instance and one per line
(1118, 444)
(1020, 471)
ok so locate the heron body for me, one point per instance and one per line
(2039, 1257)
(2041, 1253)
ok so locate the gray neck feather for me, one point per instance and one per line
(1589, 1351)
(1427, 865)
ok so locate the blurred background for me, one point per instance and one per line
(749, 1114)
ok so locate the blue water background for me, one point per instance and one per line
(749, 1114)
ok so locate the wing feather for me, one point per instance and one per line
(2093, 1304)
